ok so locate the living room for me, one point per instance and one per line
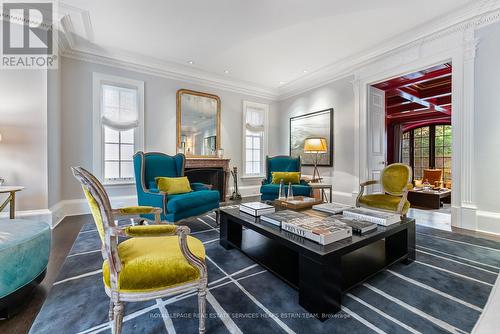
(228, 94)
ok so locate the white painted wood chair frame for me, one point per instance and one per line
(110, 252)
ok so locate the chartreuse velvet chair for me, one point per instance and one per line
(155, 261)
(282, 163)
(148, 166)
(395, 181)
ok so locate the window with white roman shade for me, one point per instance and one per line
(118, 126)
(254, 138)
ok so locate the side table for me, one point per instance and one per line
(11, 190)
(323, 187)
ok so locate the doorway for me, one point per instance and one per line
(409, 120)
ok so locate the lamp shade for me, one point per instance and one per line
(315, 145)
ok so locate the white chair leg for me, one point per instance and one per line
(117, 317)
(202, 294)
(110, 314)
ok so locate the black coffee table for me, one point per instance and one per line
(320, 273)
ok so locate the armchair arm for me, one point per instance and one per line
(196, 186)
(368, 183)
(404, 199)
(138, 210)
(304, 182)
(146, 231)
(362, 189)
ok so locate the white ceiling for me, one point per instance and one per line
(263, 42)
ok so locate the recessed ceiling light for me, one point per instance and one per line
(227, 71)
(282, 82)
(305, 71)
(190, 62)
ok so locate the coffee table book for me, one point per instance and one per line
(358, 226)
(373, 216)
(322, 231)
(256, 209)
(279, 217)
(298, 202)
(332, 208)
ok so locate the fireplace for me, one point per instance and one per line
(210, 171)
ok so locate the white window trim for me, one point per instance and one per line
(246, 105)
(98, 79)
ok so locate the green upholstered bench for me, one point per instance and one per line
(24, 254)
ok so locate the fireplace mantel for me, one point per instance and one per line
(207, 164)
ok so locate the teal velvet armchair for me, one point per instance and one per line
(148, 166)
(282, 163)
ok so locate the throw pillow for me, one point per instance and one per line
(287, 177)
(173, 185)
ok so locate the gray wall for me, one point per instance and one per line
(338, 95)
(54, 130)
(160, 119)
(487, 119)
(23, 124)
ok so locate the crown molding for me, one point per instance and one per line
(473, 16)
(77, 42)
(77, 36)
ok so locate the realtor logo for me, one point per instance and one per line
(27, 35)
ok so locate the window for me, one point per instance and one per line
(254, 138)
(117, 127)
(442, 150)
(428, 147)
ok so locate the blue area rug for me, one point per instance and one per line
(443, 291)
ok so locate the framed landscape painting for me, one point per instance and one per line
(316, 124)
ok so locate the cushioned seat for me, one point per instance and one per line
(24, 254)
(182, 202)
(154, 263)
(383, 201)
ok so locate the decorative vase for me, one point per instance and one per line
(282, 196)
(289, 196)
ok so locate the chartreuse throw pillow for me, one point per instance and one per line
(173, 185)
(287, 177)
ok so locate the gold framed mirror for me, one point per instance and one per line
(198, 123)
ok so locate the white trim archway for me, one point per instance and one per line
(459, 48)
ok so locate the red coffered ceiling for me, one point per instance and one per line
(423, 96)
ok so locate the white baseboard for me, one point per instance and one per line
(74, 207)
(488, 221)
(42, 215)
(246, 191)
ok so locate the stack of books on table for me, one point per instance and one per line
(322, 231)
(372, 216)
(256, 209)
(279, 217)
(332, 208)
(358, 226)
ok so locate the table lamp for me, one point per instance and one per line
(315, 145)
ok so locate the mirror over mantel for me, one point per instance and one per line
(198, 123)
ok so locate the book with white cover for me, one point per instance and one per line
(319, 230)
(333, 208)
(373, 216)
(256, 208)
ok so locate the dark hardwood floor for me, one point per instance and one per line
(64, 235)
